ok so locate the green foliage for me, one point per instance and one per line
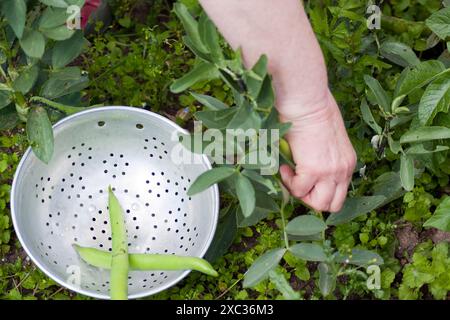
(429, 266)
(39, 32)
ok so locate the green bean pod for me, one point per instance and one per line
(119, 257)
(103, 259)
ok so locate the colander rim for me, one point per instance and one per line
(80, 290)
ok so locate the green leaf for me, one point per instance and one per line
(420, 149)
(260, 269)
(245, 118)
(305, 225)
(40, 133)
(368, 117)
(327, 279)
(216, 119)
(59, 33)
(66, 51)
(360, 257)
(441, 216)
(5, 98)
(210, 177)
(355, 207)
(26, 79)
(309, 251)
(399, 53)
(425, 134)
(266, 97)
(202, 71)
(439, 23)
(246, 195)
(282, 285)
(223, 238)
(190, 25)
(15, 12)
(55, 3)
(64, 82)
(254, 78)
(436, 98)
(209, 102)
(209, 37)
(8, 117)
(52, 18)
(263, 207)
(407, 172)
(383, 100)
(256, 177)
(33, 44)
(415, 78)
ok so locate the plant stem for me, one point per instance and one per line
(283, 221)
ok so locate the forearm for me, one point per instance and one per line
(281, 30)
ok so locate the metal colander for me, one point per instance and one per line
(65, 202)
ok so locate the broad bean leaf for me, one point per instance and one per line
(407, 172)
(26, 79)
(66, 51)
(40, 134)
(305, 225)
(210, 177)
(33, 43)
(210, 102)
(327, 279)
(246, 194)
(309, 251)
(420, 149)
(201, 71)
(264, 205)
(282, 285)
(15, 12)
(355, 207)
(260, 269)
(190, 25)
(216, 119)
(209, 37)
(359, 257)
(389, 186)
(55, 3)
(5, 98)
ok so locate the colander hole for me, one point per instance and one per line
(139, 126)
(101, 123)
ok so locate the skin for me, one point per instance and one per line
(321, 149)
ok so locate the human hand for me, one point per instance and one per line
(324, 157)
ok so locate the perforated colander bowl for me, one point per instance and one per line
(65, 202)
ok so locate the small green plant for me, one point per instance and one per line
(429, 267)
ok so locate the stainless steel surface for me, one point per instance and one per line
(54, 206)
